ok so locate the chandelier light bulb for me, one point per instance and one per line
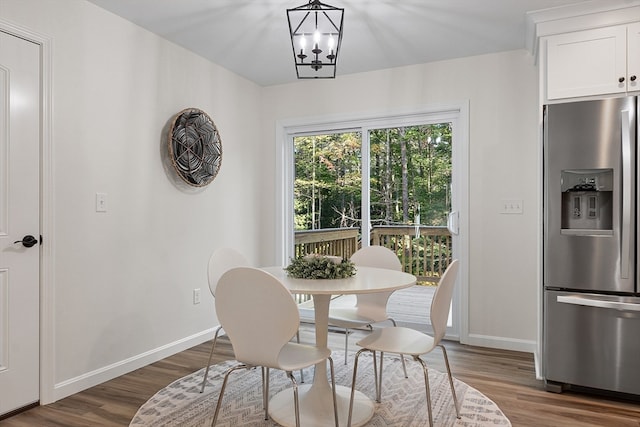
(303, 44)
(316, 44)
(331, 57)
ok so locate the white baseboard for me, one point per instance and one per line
(98, 376)
(538, 364)
(502, 343)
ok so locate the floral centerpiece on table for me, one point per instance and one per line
(315, 266)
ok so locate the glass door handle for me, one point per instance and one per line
(452, 223)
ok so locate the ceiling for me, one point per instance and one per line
(250, 37)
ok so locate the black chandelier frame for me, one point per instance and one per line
(322, 24)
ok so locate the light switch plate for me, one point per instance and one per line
(511, 206)
(101, 202)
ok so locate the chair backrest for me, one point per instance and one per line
(222, 260)
(376, 256)
(258, 314)
(441, 302)
(374, 305)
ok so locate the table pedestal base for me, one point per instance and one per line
(316, 407)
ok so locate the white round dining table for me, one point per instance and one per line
(316, 402)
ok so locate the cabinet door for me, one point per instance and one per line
(586, 63)
(633, 57)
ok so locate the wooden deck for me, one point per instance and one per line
(408, 307)
(412, 306)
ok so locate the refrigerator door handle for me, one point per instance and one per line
(625, 236)
(595, 302)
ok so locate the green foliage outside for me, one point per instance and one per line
(410, 177)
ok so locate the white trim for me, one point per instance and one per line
(47, 273)
(461, 310)
(456, 112)
(407, 116)
(284, 175)
(365, 196)
(537, 363)
(99, 376)
(503, 343)
(595, 18)
(540, 222)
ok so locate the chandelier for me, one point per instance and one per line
(316, 35)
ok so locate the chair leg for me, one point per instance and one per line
(404, 366)
(453, 390)
(379, 395)
(346, 344)
(296, 401)
(224, 385)
(333, 391)
(301, 370)
(213, 346)
(426, 385)
(265, 392)
(353, 382)
(375, 374)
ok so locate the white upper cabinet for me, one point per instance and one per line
(633, 57)
(593, 62)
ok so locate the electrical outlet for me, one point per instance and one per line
(196, 296)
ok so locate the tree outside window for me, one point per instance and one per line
(410, 177)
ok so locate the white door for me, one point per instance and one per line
(19, 217)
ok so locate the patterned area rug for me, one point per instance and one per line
(403, 399)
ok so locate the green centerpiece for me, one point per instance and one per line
(320, 267)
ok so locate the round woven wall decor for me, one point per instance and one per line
(195, 148)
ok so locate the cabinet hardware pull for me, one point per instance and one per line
(632, 78)
(621, 79)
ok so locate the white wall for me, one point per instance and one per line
(123, 279)
(504, 154)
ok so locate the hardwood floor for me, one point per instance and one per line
(506, 377)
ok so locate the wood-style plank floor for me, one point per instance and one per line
(506, 377)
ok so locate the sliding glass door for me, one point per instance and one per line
(389, 181)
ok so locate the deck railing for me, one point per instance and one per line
(329, 241)
(423, 251)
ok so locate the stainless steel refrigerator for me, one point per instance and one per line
(591, 293)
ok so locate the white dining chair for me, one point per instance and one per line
(260, 317)
(401, 340)
(220, 261)
(368, 308)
